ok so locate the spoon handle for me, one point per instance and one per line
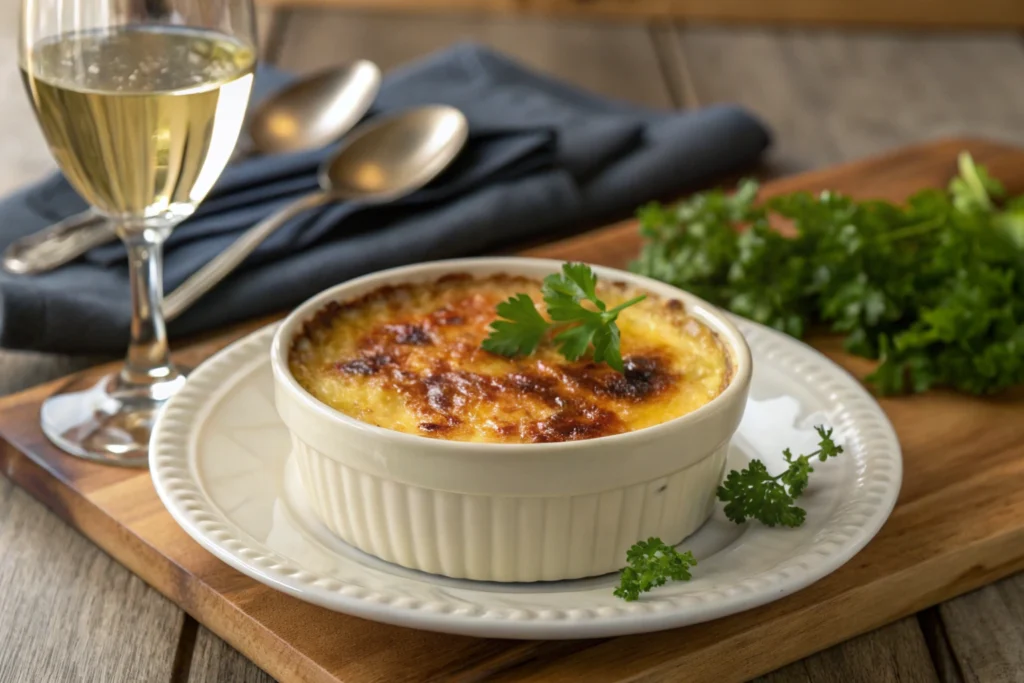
(58, 244)
(66, 240)
(210, 275)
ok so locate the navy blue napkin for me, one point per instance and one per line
(543, 157)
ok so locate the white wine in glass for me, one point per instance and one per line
(141, 103)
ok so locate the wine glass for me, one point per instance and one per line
(141, 103)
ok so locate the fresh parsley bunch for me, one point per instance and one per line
(521, 328)
(933, 288)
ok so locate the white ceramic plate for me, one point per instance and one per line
(220, 463)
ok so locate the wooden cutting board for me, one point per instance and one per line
(959, 522)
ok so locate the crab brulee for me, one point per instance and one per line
(408, 357)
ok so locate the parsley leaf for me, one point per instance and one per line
(521, 330)
(932, 288)
(576, 282)
(606, 346)
(578, 327)
(753, 493)
(574, 341)
(651, 564)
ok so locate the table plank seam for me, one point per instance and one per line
(936, 639)
(662, 40)
(181, 671)
(280, 17)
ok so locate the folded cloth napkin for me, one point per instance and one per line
(542, 157)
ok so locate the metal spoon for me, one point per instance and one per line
(381, 161)
(309, 113)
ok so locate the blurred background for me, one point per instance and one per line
(833, 79)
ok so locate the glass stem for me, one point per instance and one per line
(148, 361)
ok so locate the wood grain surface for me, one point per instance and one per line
(986, 632)
(894, 654)
(62, 597)
(831, 96)
(214, 661)
(613, 60)
(958, 452)
(904, 13)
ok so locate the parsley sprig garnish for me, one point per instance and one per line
(651, 564)
(521, 328)
(755, 494)
(750, 493)
(933, 288)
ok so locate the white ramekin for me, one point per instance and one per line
(508, 512)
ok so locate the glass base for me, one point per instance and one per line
(109, 421)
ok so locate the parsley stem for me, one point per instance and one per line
(969, 173)
(634, 300)
(913, 230)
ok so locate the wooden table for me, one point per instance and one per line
(69, 612)
(858, 13)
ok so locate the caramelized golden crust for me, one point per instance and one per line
(408, 358)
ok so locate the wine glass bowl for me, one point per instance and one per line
(141, 103)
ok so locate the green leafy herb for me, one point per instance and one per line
(521, 330)
(751, 493)
(578, 326)
(933, 288)
(755, 494)
(651, 564)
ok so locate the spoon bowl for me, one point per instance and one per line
(396, 155)
(382, 161)
(316, 110)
